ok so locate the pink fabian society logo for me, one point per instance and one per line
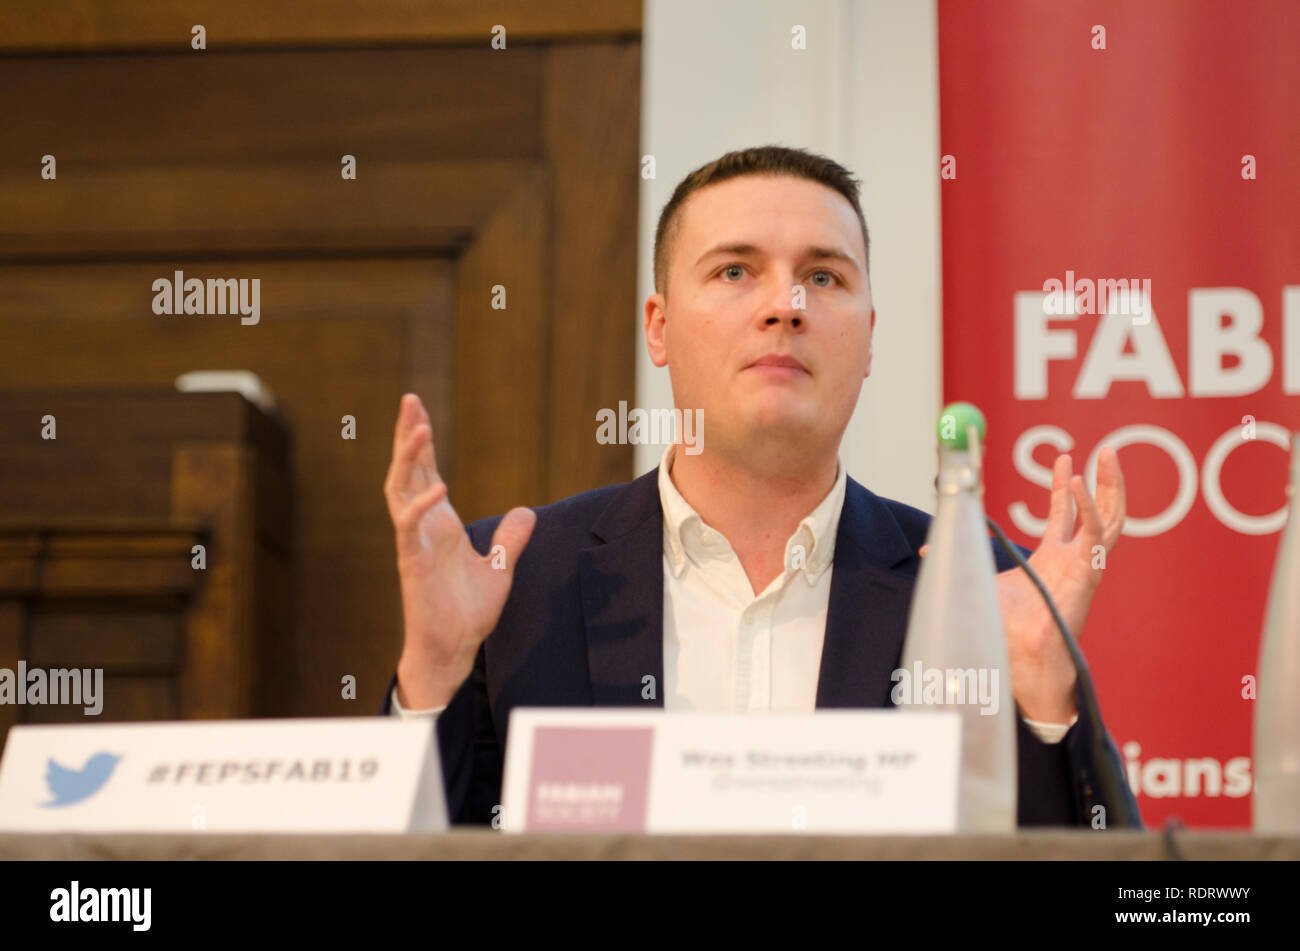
(587, 779)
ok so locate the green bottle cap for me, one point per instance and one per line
(953, 420)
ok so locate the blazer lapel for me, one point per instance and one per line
(622, 587)
(621, 580)
(866, 619)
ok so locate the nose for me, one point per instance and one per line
(786, 304)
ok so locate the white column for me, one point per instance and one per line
(722, 75)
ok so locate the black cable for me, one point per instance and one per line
(1111, 783)
(1172, 849)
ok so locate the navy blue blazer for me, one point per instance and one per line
(584, 624)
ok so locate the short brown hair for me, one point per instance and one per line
(765, 160)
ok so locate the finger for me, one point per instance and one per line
(410, 413)
(405, 417)
(407, 523)
(922, 550)
(422, 458)
(398, 484)
(1060, 517)
(409, 472)
(1111, 496)
(427, 458)
(1090, 531)
(513, 533)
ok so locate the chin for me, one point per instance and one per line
(779, 415)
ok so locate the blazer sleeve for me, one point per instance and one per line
(467, 749)
(1049, 791)
(1058, 781)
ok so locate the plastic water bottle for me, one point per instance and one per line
(956, 629)
(1277, 709)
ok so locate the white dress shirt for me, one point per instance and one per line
(728, 650)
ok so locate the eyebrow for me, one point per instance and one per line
(811, 253)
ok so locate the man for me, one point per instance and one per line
(762, 313)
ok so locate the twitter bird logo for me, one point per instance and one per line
(73, 785)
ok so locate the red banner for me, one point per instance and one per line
(1121, 264)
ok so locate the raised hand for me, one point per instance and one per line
(452, 597)
(1042, 675)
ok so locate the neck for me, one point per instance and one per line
(755, 504)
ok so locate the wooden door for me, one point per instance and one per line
(482, 175)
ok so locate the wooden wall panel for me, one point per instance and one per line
(165, 24)
(117, 588)
(332, 341)
(90, 635)
(11, 640)
(476, 167)
(126, 699)
(591, 133)
(502, 359)
(211, 484)
(286, 107)
(395, 209)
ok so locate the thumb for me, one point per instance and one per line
(922, 550)
(513, 533)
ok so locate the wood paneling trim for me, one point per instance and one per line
(11, 637)
(104, 635)
(429, 104)
(32, 298)
(591, 121)
(29, 25)
(168, 211)
(212, 483)
(502, 356)
(144, 562)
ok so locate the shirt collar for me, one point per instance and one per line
(810, 550)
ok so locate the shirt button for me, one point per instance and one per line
(748, 615)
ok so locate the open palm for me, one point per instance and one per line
(1070, 564)
(452, 596)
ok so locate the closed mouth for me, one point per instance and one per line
(781, 360)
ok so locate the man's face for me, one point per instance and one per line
(765, 367)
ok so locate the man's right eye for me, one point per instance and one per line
(740, 271)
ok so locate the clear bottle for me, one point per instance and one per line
(956, 628)
(1277, 709)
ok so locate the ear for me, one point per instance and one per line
(656, 329)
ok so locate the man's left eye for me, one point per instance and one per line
(826, 274)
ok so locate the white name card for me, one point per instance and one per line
(348, 774)
(834, 771)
